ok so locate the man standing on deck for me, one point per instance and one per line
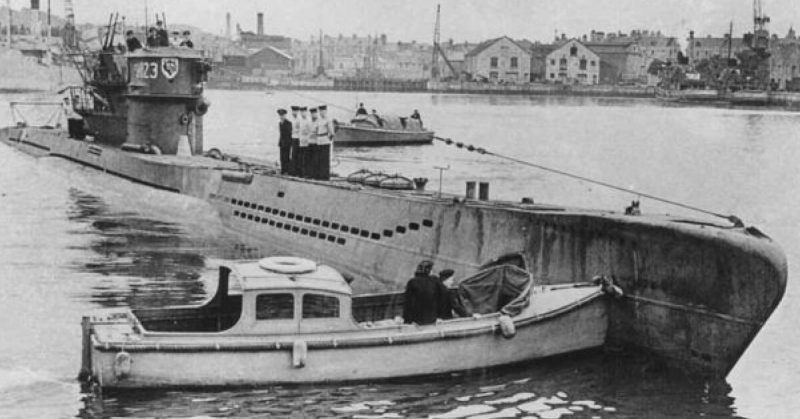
(285, 140)
(426, 298)
(312, 159)
(294, 159)
(324, 142)
(304, 141)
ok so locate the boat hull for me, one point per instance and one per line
(347, 135)
(696, 293)
(383, 356)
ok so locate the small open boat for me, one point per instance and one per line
(289, 320)
(367, 130)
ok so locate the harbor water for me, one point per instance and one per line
(73, 239)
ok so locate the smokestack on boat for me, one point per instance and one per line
(166, 99)
(260, 25)
(228, 25)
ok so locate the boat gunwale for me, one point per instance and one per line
(423, 334)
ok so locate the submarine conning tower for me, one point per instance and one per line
(165, 98)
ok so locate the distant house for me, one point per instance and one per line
(573, 63)
(270, 61)
(704, 48)
(499, 60)
(620, 61)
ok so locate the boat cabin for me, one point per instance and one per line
(273, 295)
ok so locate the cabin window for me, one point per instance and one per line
(316, 306)
(274, 306)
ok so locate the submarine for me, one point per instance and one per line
(694, 293)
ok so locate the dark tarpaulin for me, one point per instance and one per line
(504, 288)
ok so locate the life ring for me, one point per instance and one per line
(288, 265)
(122, 364)
(184, 119)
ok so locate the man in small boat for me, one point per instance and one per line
(426, 297)
(418, 117)
(361, 110)
(377, 117)
(294, 159)
(132, 42)
(325, 132)
(284, 141)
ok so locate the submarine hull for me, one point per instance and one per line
(695, 293)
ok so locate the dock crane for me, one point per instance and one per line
(437, 50)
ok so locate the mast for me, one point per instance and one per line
(436, 38)
(47, 36)
(730, 42)
(8, 28)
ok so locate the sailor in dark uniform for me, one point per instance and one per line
(163, 35)
(361, 110)
(285, 141)
(294, 170)
(132, 41)
(426, 298)
(187, 40)
(152, 38)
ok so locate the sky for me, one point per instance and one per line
(462, 20)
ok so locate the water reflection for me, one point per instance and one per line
(584, 385)
(145, 262)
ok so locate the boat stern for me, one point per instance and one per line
(100, 329)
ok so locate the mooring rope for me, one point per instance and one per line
(732, 218)
(736, 221)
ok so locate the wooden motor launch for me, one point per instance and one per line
(289, 320)
(696, 291)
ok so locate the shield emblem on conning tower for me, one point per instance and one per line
(169, 66)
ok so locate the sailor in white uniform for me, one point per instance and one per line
(294, 158)
(325, 132)
(304, 144)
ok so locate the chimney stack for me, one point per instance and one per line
(260, 23)
(228, 25)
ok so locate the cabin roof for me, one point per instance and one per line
(324, 278)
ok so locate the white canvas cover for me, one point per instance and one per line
(503, 288)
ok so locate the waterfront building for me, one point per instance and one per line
(705, 48)
(619, 61)
(270, 62)
(784, 62)
(354, 56)
(573, 63)
(499, 60)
